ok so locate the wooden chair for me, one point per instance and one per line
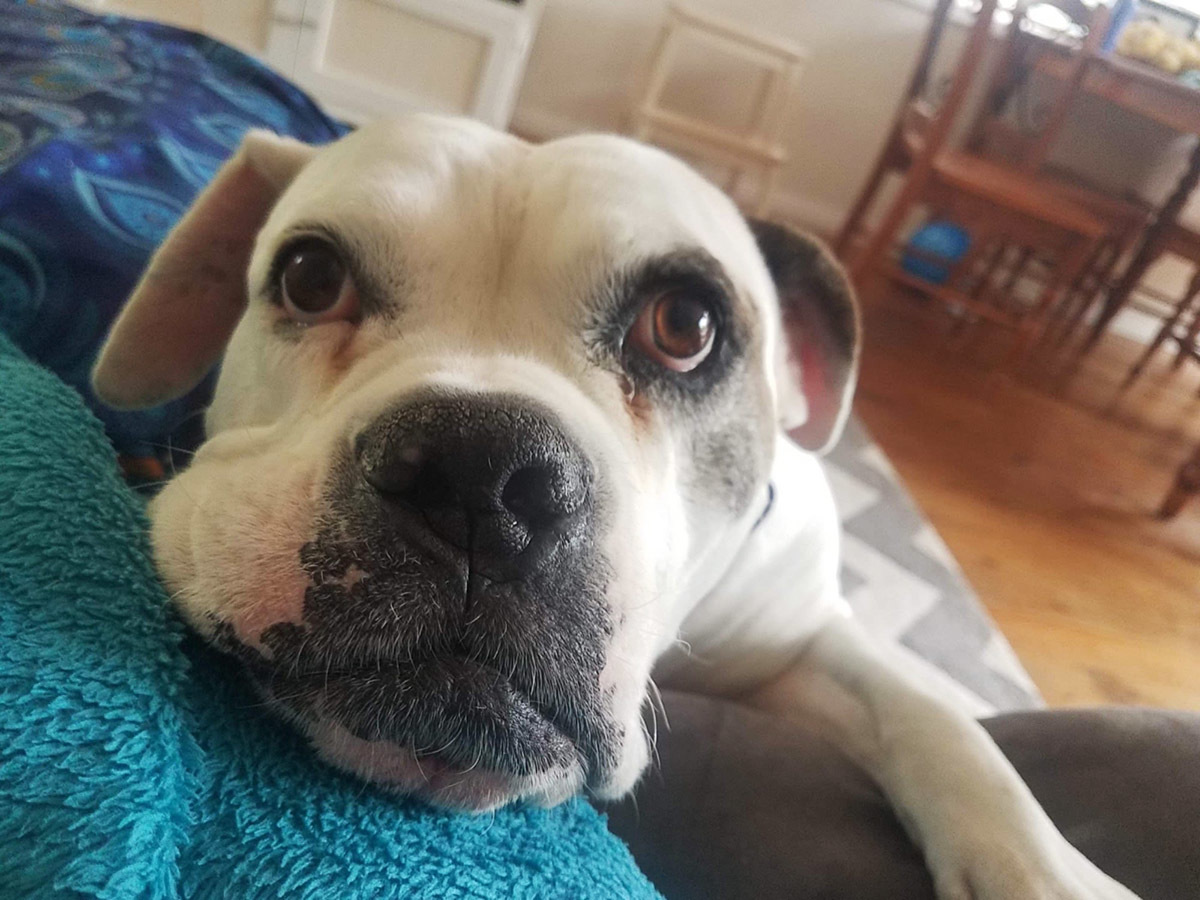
(998, 132)
(1027, 144)
(1011, 213)
(758, 147)
(1181, 322)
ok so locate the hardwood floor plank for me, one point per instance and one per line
(1046, 496)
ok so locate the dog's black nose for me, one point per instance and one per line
(491, 476)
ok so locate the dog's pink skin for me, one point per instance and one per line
(252, 561)
(277, 598)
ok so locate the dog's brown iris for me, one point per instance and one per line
(683, 326)
(676, 329)
(313, 279)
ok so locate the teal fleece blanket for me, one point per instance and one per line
(134, 764)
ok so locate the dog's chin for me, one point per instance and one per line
(451, 732)
(433, 779)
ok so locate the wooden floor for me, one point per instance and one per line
(1045, 492)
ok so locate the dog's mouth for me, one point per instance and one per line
(464, 712)
(452, 730)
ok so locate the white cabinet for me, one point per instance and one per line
(363, 59)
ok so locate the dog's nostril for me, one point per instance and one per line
(400, 472)
(532, 495)
(412, 475)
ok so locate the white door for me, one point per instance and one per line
(368, 58)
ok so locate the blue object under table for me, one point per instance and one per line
(933, 250)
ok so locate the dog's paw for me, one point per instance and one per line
(994, 872)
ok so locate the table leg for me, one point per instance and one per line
(1186, 486)
(1148, 250)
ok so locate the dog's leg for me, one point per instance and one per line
(983, 834)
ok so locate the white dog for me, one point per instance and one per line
(499, 433)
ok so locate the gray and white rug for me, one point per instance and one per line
(905, 585)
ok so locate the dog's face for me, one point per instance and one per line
(491, 418)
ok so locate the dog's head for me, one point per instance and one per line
(490, 418)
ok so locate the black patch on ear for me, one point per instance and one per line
(820, 323)
(802, 268)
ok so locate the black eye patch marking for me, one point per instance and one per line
(696, 273)
(720, 411)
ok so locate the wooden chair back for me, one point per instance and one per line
(1025, 39)
(924, 128)
(919, 81)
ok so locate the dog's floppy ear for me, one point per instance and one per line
(818, 356)
(174, 326)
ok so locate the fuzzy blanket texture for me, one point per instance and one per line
(136, 765)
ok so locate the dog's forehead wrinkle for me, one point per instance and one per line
(638, 195)
(428, 146)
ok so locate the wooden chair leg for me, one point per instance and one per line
(1014, 274)
(1079, 295)
(1188, 341)
(1089, 289)
(1186, 486)
(1066, 272)
(961, 274)
(863, 263)
(1186, 345)
(982, 282)
(1140, 366)
(1168, 328)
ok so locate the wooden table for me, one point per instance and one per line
(1156, 96)
(1161, 98)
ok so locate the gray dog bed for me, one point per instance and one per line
(747, 806)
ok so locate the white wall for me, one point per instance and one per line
(590, 59)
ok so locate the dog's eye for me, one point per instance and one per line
(676, 329)
(314, 284)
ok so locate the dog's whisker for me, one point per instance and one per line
(172, 450)
(656, 697)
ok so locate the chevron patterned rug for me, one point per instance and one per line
(905, 585)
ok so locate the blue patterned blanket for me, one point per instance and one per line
(108, 129)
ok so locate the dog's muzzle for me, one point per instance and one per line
(456, 601)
